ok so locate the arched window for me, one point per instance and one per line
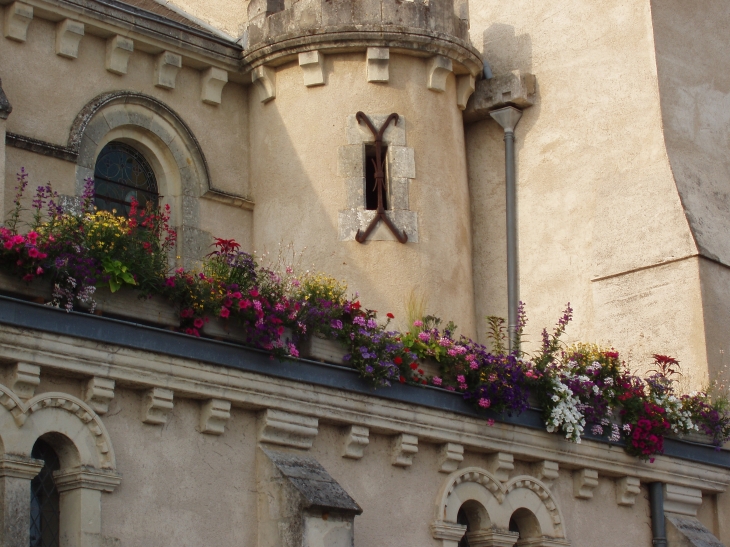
(44, 499)
(122, 174)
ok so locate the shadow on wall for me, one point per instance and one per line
(505, 51)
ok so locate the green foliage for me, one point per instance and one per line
(117, 273)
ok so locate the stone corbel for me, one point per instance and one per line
(118, 51)
(99, 393)
(465, 86)
(439, 68)
(212, 82)
(17, 18)
(450, 456)
(158, 404)
(24, 378)
(312, 63)
(584, 482)
(500, 464)
(682, 500)
(405, 447)
(264, 78)
(627, 488)
(167, 65)
(214, 416)
(356, 439)
(512, 89)
(449, 533)
(287, 429)
(68, 36)
(547, 471)
(378, 59)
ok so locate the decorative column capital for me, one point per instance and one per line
(87, 477)
(19, 467)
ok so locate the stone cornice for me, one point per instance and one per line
(419, 42)
(151, 33)
(393, 412)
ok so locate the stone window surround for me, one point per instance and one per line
(88, 464)
(165, 141)
(400, 167)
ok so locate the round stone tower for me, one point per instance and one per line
(391, 226)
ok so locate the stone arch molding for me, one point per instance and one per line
(165, 140)
(21, 424)
(142, 114)
(496, 503)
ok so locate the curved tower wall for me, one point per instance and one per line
(308, 155)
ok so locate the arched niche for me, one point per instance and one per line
(490, 505)
(166, 142)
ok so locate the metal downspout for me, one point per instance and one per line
(656, 506)
(508, 117)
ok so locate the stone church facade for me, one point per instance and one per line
(247, 115)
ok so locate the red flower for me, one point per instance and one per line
(390, 315)
(355, 305)
(225, 312)
(402, 380)
(414, 366)
(198, 323)
(398, 361)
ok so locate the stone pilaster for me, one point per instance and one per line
(16, 472)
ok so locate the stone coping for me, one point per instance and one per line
(28, 315)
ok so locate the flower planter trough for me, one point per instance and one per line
(430, 367)
(36, 289)
(324, 350)
(127, 304)
(224, 329)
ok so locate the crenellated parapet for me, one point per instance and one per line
(279, 30)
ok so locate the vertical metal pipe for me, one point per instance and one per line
(508, 118)
(656, 505)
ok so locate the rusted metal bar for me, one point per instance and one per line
(379, 163)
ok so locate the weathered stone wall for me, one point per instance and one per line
(694, 89)
(598, 207)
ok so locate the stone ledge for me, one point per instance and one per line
(204, 369)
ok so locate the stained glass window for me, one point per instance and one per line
(122, 174)
(44, 499)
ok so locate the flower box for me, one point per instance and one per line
(693, 437)
(224, 329)
(36, 289)
(324, 350)
(430, 367)
(127, 304)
